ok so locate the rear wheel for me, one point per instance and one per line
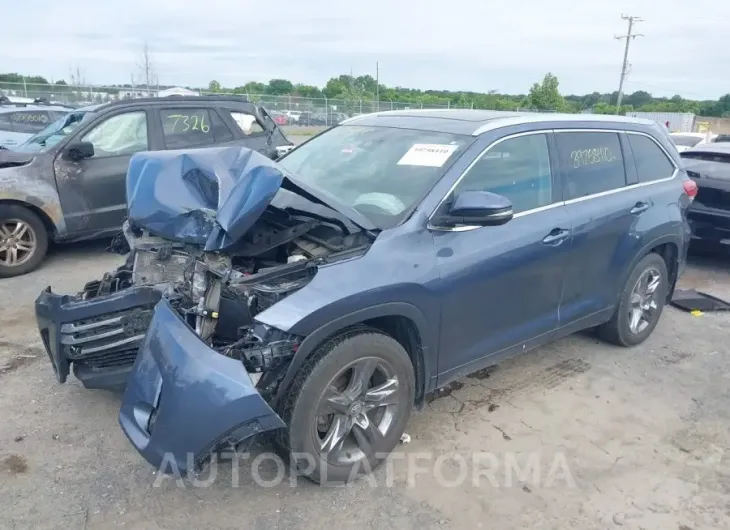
(23, 240)
(641, 303)
(348, 406)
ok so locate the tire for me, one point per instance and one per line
(330, 370)
(618, 330)
(34, 236)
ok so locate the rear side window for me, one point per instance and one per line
(651, 162)
(517, 168)
(28, 121)
(590, 163)
(193, 128)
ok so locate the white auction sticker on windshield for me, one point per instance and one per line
(431, 155)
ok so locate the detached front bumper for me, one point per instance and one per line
(99, 337)
(184, 400)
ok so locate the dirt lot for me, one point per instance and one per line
(617, 438)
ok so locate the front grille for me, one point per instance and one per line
(109, 340)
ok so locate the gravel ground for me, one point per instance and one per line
(578, 435)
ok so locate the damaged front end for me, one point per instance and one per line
(217, 235)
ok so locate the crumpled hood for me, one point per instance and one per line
(211, 197)
(208, 197)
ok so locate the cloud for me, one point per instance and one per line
(461, 44)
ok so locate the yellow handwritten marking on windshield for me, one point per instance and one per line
(588, 157)
(188, 122)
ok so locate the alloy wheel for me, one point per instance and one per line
(357, 409)
(642, 303)
(18, 242)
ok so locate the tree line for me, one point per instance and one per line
(544, 95)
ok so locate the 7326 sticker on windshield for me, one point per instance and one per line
(429, 155)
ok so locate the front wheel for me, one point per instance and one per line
(348, 406)
(641, 304)
(23, 240)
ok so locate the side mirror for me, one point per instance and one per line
(481, 208)
(80, 150)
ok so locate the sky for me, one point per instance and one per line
(502, 45)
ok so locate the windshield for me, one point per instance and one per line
(686, 141)
(381, 172)
(54, 133)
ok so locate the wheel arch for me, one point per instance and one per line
(668, 248)
(401, 321)
(36, 209)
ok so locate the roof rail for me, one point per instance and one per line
(212, 97)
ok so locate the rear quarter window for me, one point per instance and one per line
(651, 162)
(590, 163)
(247, 123)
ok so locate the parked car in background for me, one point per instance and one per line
(709, 166)
(20, 122)
(293, 115)
(279, 117)
(688, 140)
(324, 295)
(67, 182)
(336, 117)
(309, 118)
(721, 138)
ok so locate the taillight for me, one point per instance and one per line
(690, 188)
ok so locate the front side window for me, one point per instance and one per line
(516, 168)
(590, 163)
(651, 162)
(382, 172)
(123, 134)
(190, 127)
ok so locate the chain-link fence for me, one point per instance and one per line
(292, 110)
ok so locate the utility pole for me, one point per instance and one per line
(624, 68)
(377, 84)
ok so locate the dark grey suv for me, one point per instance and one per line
(67, 182)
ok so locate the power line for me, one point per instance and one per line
(624, 68)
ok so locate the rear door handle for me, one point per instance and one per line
(640, 207)
(556, 236)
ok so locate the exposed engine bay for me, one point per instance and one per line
(217, 294)
(221, 234)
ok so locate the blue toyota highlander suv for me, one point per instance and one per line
(324, 295)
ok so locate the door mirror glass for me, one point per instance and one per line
(80, 150)
(481, 208)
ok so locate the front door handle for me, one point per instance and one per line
(640, 207)
(556, 236)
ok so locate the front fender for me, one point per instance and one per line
(429, 339)
(23, 185)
